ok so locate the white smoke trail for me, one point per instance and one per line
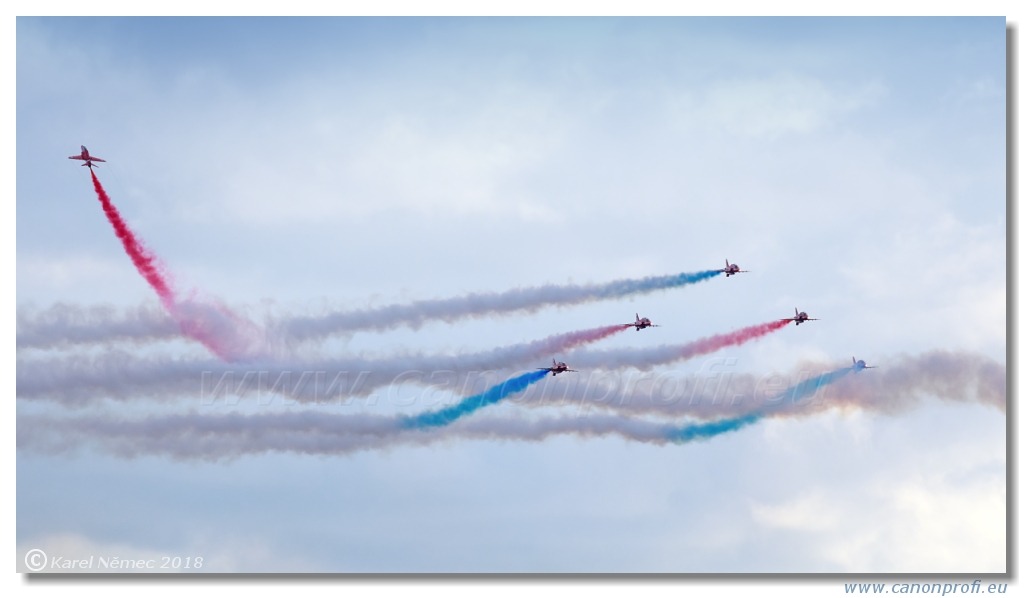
(718, 392)
(117, 375)
(62, 324)
(932, 376)
(120, 375)
(474, 305)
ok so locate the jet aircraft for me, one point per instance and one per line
(87, 157)
(858, 365)
(799, 316)
(642, 323)
(557, 367)
(731, 269)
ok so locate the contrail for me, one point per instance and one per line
(224, 436)
(122, 376)
(46, 329)
(224, 333)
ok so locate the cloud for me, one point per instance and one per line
(938, 511)
(768, 107)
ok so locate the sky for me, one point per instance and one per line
(336, 172)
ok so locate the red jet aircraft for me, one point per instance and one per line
(557, 367)
(801, 316)
(89, 159)
(642, 323)
(731, 269)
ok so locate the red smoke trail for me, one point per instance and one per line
(557, 343)
(575, 339)
(145, 263)
(227, 335)
(711, 344)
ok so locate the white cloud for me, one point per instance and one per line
(770, 106)
(941, 510)
(939, 282)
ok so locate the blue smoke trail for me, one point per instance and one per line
(691, 432)
(443, 417)
(809, 387)
(621, 288)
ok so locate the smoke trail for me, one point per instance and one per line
(444, 417)
(222, 436)
(63, 324)
(648, 358)
(811, 386)
(691, 432)
(794, 393)
(528, 300)
(946, 375)
(717, 392)
(120, 375)
(144, 261)
(212, 436)
(41, 332)
(224, 333)
(570, 340)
